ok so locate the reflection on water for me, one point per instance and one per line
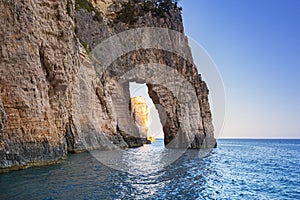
(245, 169)
(145, 160)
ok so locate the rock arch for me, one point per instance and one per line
(168, 87)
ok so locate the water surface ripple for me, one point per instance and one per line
(237, 169)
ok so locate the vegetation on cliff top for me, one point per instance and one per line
(133, 9)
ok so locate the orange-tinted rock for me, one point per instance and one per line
(140, 113)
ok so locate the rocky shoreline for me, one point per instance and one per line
(54, 101)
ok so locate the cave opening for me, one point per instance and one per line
(154, 126)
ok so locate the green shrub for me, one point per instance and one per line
(88, 6)
(86, 47)
(128, 14)
(84, 4)
(133, 9)
(68, 8)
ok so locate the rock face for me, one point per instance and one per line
(52, 98)
(140, 113)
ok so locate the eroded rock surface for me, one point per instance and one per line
(140, 113)
(53, 99)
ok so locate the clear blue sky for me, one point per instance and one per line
(256, 46)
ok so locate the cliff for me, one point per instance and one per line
(140, 113)
(53, 100)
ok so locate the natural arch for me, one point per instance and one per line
(168, 89)
(175, 85)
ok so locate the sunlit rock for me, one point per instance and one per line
(140, 113)
(53, 101)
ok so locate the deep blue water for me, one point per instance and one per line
(237, 169)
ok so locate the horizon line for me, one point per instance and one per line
(262, 138)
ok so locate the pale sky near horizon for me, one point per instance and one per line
(256, 47)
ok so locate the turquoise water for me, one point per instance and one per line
(237, 169)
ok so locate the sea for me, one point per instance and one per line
(236, 169)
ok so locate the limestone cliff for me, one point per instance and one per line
(140, 113)
(53, 100)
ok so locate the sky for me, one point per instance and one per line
(256, 48)
(154, 124)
